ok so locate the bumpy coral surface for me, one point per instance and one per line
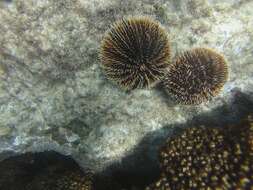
(208, 158)
(135, 52)
(43, 171)
(196, 76)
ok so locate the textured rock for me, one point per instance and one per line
(53, 94)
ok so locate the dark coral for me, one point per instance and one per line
(43, 171)
(208, 158)
(135, 53)
(196, 76)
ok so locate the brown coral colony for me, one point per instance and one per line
(135, 53)
(208, 158)
(196, 76)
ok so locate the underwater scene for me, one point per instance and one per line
(126, 94)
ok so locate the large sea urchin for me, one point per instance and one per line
(208, 158)
(135, 52)
(196, 76)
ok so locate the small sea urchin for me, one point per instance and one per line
(208, 158)
(196, 76)
(135, 52)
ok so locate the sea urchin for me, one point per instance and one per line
(135, 53)
(196, 76)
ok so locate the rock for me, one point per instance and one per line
(53, 94)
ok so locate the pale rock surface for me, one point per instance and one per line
(53, 94)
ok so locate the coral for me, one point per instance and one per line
(135, 52)
(196, 76)
(53, 95)
(66, 181)
(43, 171)
(71, 181)
(208, 158)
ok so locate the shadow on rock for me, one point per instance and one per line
(141, 166)
(134, 172)
(45, 170)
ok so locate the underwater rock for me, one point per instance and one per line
(43, 171)
(53, 95)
